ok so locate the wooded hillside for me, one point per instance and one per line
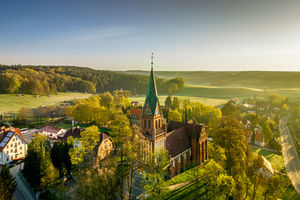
(51, 79)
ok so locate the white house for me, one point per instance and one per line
(12, 145)
(52, 132)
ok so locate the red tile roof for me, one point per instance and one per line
(259, 137)
(136, 111)
(3, 133)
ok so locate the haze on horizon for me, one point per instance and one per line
(184, 35)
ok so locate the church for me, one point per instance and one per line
(185, 141)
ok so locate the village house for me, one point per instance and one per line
(135, 115)
(52, 132)
(185, 141)
(259, 139)
(12, 145)
(104, 147)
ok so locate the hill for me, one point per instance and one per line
(51, 79)
(253, 79)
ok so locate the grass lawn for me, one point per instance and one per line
(206, 101)
(12, 102)
(182, 177)
(275, 159)
(187, 192)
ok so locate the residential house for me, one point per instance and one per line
(104, 147)
(134, 115)
(259, 139)
(12, 145)
(52, 132)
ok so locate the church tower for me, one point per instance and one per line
(152, 119)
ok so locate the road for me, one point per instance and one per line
(22, 192)
(290, 155)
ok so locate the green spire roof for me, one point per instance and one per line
(152, 97)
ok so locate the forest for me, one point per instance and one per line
(44, 80)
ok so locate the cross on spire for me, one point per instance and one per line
(152, 61)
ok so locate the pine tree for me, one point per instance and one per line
(8, 183)
(168, 101)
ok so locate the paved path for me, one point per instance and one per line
(22, 192)
(180, 185)
(290, 155)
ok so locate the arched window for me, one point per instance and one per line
(159, 123)
(149, 123)
(145, 123)
(156, 124)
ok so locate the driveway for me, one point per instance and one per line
(22, 192)
(290, 155)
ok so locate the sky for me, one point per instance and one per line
(121, 34)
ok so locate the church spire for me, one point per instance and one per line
(152, 96)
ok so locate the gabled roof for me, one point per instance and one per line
(152, 93)
(136, 111)
(51, 129)
(7, 134)
(177, 141)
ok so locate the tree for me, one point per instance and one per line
(60, 157)
(133, 155)
(168, 101)
(9, 83)
(230, 109)
(154, 182)
(273, 187)
(175, 103)
(217, 182)
(174, 115)
(253, 174)
(267, 131)
(229, 135)
(38, 168)
(121, 134)
(217, 153)
(96, 183)
(8, 183)
(82, 151)
(107, 99)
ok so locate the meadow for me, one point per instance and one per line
(204, 100)
(12, 102)
(228, 85)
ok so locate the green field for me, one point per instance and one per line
(252, 79)
(223, 93)
(206, 101)
(228, 85)
(12, 103)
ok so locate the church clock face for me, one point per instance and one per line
(147, 111)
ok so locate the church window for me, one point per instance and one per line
(149, 123)
(159, 124)
(156, 124)
(145, 123)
